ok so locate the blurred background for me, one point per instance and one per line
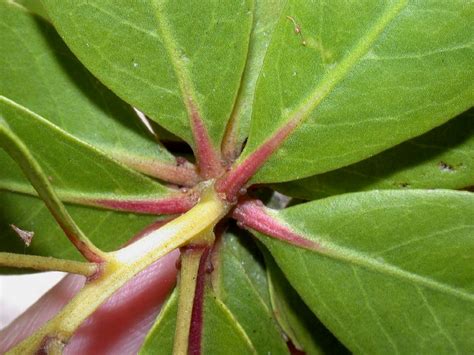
(18, 292)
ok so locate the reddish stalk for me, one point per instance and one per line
(195, 331)
(253, 214)
(170, 205)
(182, 173)
(231, 183)
(208, 159)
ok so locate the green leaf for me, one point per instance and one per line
(241, 276)
(265, 18)
(299, 323)
(108, 230)
(17, 150)
(393, 271)
(221, 333)
(35, 6)
(79, 172)
(38, 71)
(167, 58)
(159, 339)
(442, 158)
(219, 320)
(356, 85)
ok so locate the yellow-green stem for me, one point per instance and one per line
(190, 260)
(44, 263)
(124, 264)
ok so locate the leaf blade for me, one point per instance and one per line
(81, 173)
(160, 59)
(266, 15)
(301, 326)
(241, 276)
(43, 75)
(217, 320)
(108, 230)
(370, 89)
(16, 148)
(441, 158)
(379, 251)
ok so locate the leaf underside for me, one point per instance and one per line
(217, 320)
(442, 158)
(383, 271)
(361, 83)
(393, 272)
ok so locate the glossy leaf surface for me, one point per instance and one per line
(441, 158)
(393, 271)
(356, 85)
(167, 58)
(38, 71)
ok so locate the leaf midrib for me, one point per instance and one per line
(184, 78)
(237, 326)
(353, 258)
(327, 85)
(249, 282)
(73, 196)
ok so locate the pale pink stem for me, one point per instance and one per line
(253, 214)
(182, 173)
(169, 205)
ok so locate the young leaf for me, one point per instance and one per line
(391, 270)
(442, 158)
(221, 334)
(266, 15)
(39, 72)
(240, 283)
(177, 60)
(345, 87)
(80, 173)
